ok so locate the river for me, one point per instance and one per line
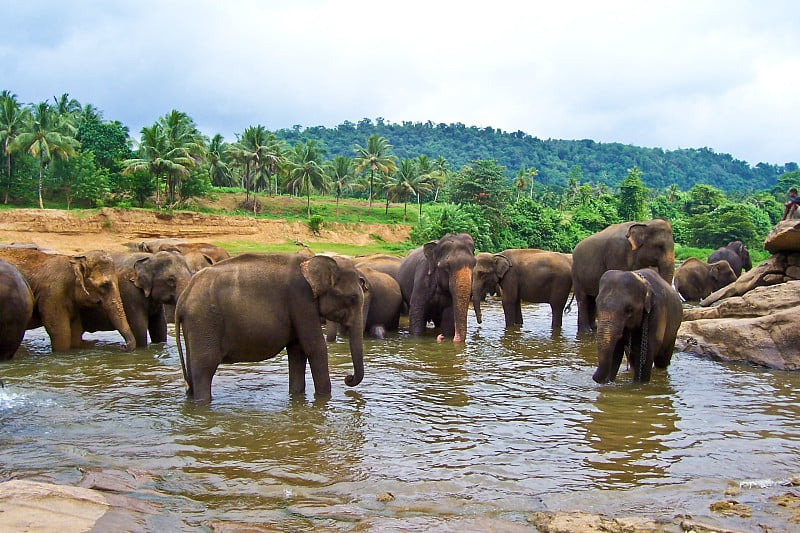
(436, 437)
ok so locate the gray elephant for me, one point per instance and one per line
(519, 275)
(736, 254)
(626, 246)
(15, 311)
(388, 264)
(147, 282)
(383, 303)
(436, 282)
(252, 306)
(62, 285)
(638, 313)
(212, 252)
(695, 279)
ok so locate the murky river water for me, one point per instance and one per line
(508, 424)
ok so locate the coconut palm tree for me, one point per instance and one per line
(13, 117)
(440, 175)
(153, 156)
(218, 171)
(532, 173)
(187, 149)
(377, 158)
(520, 182)
(253, 150)
(306, 171)
(341, 173)
(45, 137)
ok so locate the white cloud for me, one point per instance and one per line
(672, 74)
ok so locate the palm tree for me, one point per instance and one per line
(12, 121)
(45, 138)
(218, 171)
(341, 174)
(532, 173)
(186, 147)
(407, 181)
(520, 182)
(306, 171)
(428, 176)
(67, 109)
(440, 175)
(252, 150)
(377, 158)
(153, 151)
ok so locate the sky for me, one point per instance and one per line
(671, 74)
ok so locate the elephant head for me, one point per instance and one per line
(450, 261)
(338, 288)
(652, 245)
(624, 304)
(486, 276)
(96, 284)
(162, 276)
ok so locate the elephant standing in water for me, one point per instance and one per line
(15, 311)
(638, 313)
(736, 254)
(519, 275)
(252, 306)
(147, 282)
(62, 285)
(383, 304)
(626, 246)
(436, 281)
(695, 280)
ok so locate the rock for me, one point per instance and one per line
(772, 340)
(569, 522)
(760, 301)
(784, 237)
(748, 281)
(33, 506)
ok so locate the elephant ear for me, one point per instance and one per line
(78, 264)
(142, 276)
(320, 272)
(502, 264)
(636, 235)
(431, 251)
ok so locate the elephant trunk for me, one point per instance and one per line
(461, 290)
(666, 267)
(609, 348)
(476, 305)
(356, 335)
(116, 313)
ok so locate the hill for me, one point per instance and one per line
(556, 160)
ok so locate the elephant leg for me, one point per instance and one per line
(157, 326)
(297, 368)
(201, 376)
(509, 312)
(518, 313)
(76, 333)
(587, 312)
(59, 331)
(332, 330)
(447, 322)
(557, 310)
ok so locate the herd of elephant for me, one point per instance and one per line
(252, 306)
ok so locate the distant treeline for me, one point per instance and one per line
(555, 160)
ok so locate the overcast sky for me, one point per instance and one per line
(671, 74)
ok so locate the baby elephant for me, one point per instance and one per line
(15, 311)
(695, 279)
(638, 313)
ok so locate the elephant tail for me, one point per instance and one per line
(568, 308)
(187, 378)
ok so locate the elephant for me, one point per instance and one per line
(383, 303)
(519, 275)
(436, 282)
(638, 313)
(16, 310)
(252, 306)
(212, 252)
(62, 285)
(625, 246)
(736, 254)
(147, 282)
(695, 280)
(388, 264)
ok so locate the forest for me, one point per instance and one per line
(509, 190)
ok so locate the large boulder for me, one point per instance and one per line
(753, 320)
(784, 237)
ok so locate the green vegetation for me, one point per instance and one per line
(456, 178)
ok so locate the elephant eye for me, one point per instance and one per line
(628, 309)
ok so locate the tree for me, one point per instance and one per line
(45, 138)
(702, 199)
(407, 180)
(306, 171)
(340, 171)
(376, 156)
(13, 118)
(532, 173)
(186, 149)
(218, 171)
(632, 197)
(250, 151)
(520, 182)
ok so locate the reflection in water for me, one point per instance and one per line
(628, 430)
(493, 427)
